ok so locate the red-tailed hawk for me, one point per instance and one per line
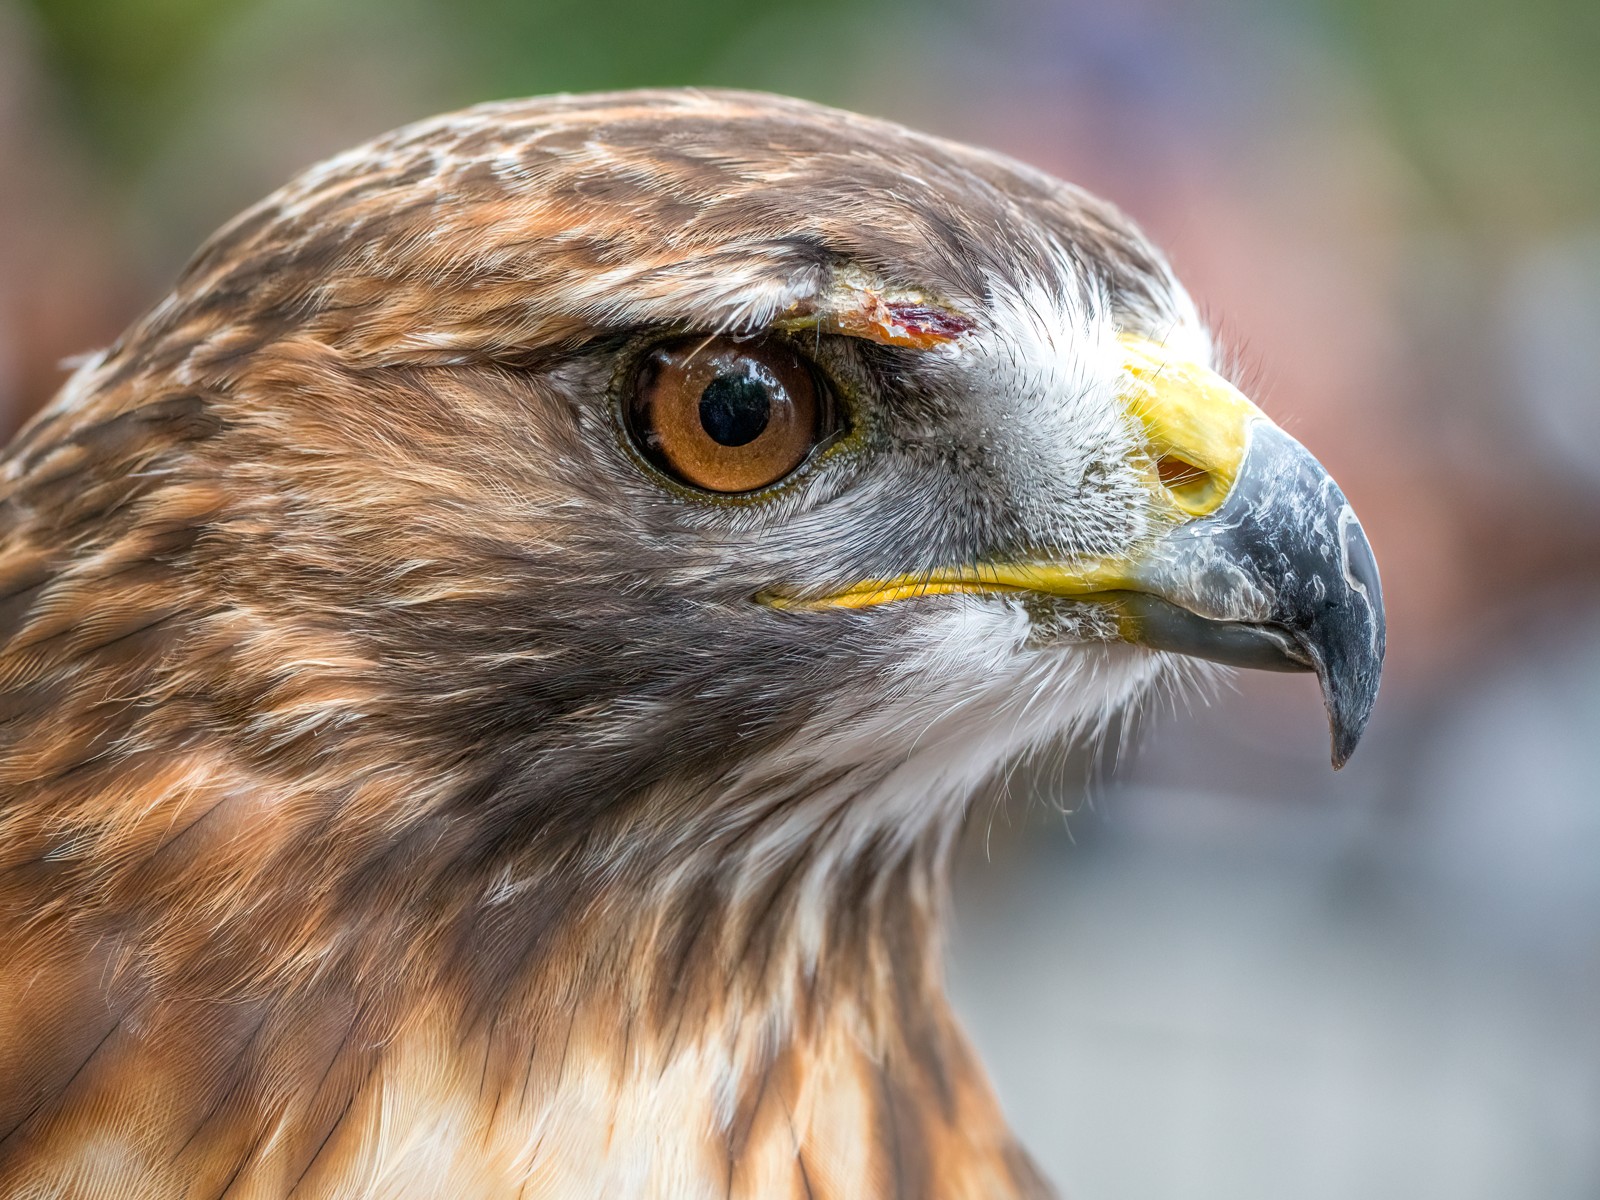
(495, 661)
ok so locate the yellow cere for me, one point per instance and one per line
(1196, 421)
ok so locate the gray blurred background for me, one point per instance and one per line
(1198, 963)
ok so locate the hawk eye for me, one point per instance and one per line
(725, 415)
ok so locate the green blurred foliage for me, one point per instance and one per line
(575, 45)
(1496, 102)
(122, 62)
(117, 61)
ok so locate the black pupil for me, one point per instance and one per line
(735, 408)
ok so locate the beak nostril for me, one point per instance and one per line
(1178, 474)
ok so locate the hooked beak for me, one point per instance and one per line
(1258, 560)
(1281, 577)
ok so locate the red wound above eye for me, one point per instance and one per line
(928, 326)
(906, 319)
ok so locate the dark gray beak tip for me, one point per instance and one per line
(1347, 636)
(1349, 700)
(1345, 737)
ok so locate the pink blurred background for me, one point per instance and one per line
(1214, 969)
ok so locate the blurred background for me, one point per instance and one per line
(1199, 964)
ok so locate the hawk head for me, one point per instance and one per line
(580, 554)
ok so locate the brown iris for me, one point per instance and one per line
(726, 415)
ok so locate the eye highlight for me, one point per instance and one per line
(726, 415)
